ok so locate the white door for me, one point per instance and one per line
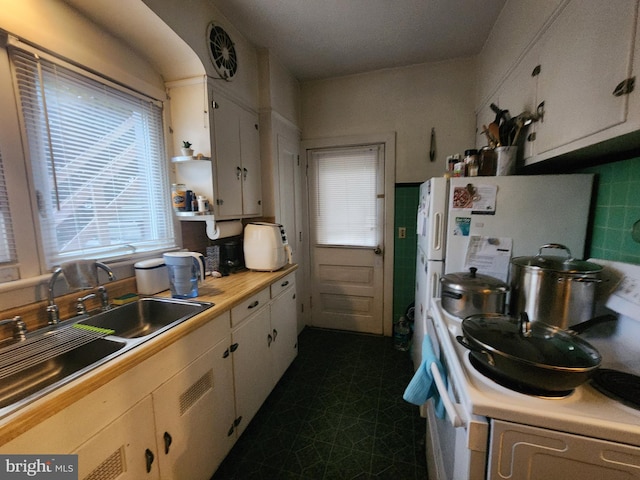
(346, 201)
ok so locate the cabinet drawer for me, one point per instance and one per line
(281, 285)
(249, 306)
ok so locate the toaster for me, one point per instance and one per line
(265, 247)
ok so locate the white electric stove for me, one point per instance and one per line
(495, 432)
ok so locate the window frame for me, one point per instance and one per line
(22, 196)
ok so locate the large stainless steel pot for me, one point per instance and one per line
(532, 354)
(559, 291)
(469, 293)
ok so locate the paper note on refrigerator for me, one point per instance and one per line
(490, 255)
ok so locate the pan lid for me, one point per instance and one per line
(556, 263)
(472, 281)
(535, 343)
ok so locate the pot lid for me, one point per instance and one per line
(557, 263)
(472, 281)
(532, 342)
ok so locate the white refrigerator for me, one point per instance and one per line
(485, 221)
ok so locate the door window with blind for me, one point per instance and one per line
(97, 162)
(347, 210)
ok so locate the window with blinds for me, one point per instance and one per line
(7, 240)
(97, 160)
(346, 206)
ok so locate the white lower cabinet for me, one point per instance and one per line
(194, 412)
(177, 414)
(250, 366)
(264, 344)
(183, 429)
(125, 450)
(284, 332)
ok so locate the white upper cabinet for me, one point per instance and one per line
(227, 136)
(585, 55)
(573, 73)
(237, 157)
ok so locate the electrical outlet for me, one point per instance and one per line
(402, 232)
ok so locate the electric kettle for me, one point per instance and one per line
(186, 270)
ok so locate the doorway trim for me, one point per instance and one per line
(389, 141)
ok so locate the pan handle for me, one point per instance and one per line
(448, 294)
(463, 341)
(555, 245)
(581, 327)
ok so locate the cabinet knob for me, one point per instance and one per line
(167, 442)
(234, 347)
(149, 457)
(625, 87)
(254, 305)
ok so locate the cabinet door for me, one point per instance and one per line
(519, 94)
(583, 56)
(250, 155)
(125, 450)
(251, 365)
(284, 331)
(226, 120)
(194, 412)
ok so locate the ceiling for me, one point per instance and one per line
(318, 39)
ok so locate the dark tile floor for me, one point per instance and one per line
(337, 413)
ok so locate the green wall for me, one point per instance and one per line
(617, 209)
(404, 264)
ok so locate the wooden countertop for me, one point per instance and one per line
(225, 293)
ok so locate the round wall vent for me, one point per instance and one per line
(222, 52)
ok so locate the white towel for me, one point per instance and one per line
(422, 386)
(80, 274)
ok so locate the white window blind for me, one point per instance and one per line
(97, 160)
(346, 206)
(7, 241)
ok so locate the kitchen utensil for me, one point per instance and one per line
(185, 270)
(559, 291)
(469, 293)
(432, 145)
(533, 354)
(494, 130)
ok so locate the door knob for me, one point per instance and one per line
(377, 250)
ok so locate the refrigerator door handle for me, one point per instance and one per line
(437, 234)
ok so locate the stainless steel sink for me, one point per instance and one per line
(49, 358)
(63, 367)
(146, 316)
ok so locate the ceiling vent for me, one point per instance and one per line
(222, 52)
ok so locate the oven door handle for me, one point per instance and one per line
(449, 407)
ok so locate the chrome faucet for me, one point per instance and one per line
(19, 327)
(81, 308)
(102, 291)
(52, 309)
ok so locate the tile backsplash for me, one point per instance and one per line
(617, 210)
